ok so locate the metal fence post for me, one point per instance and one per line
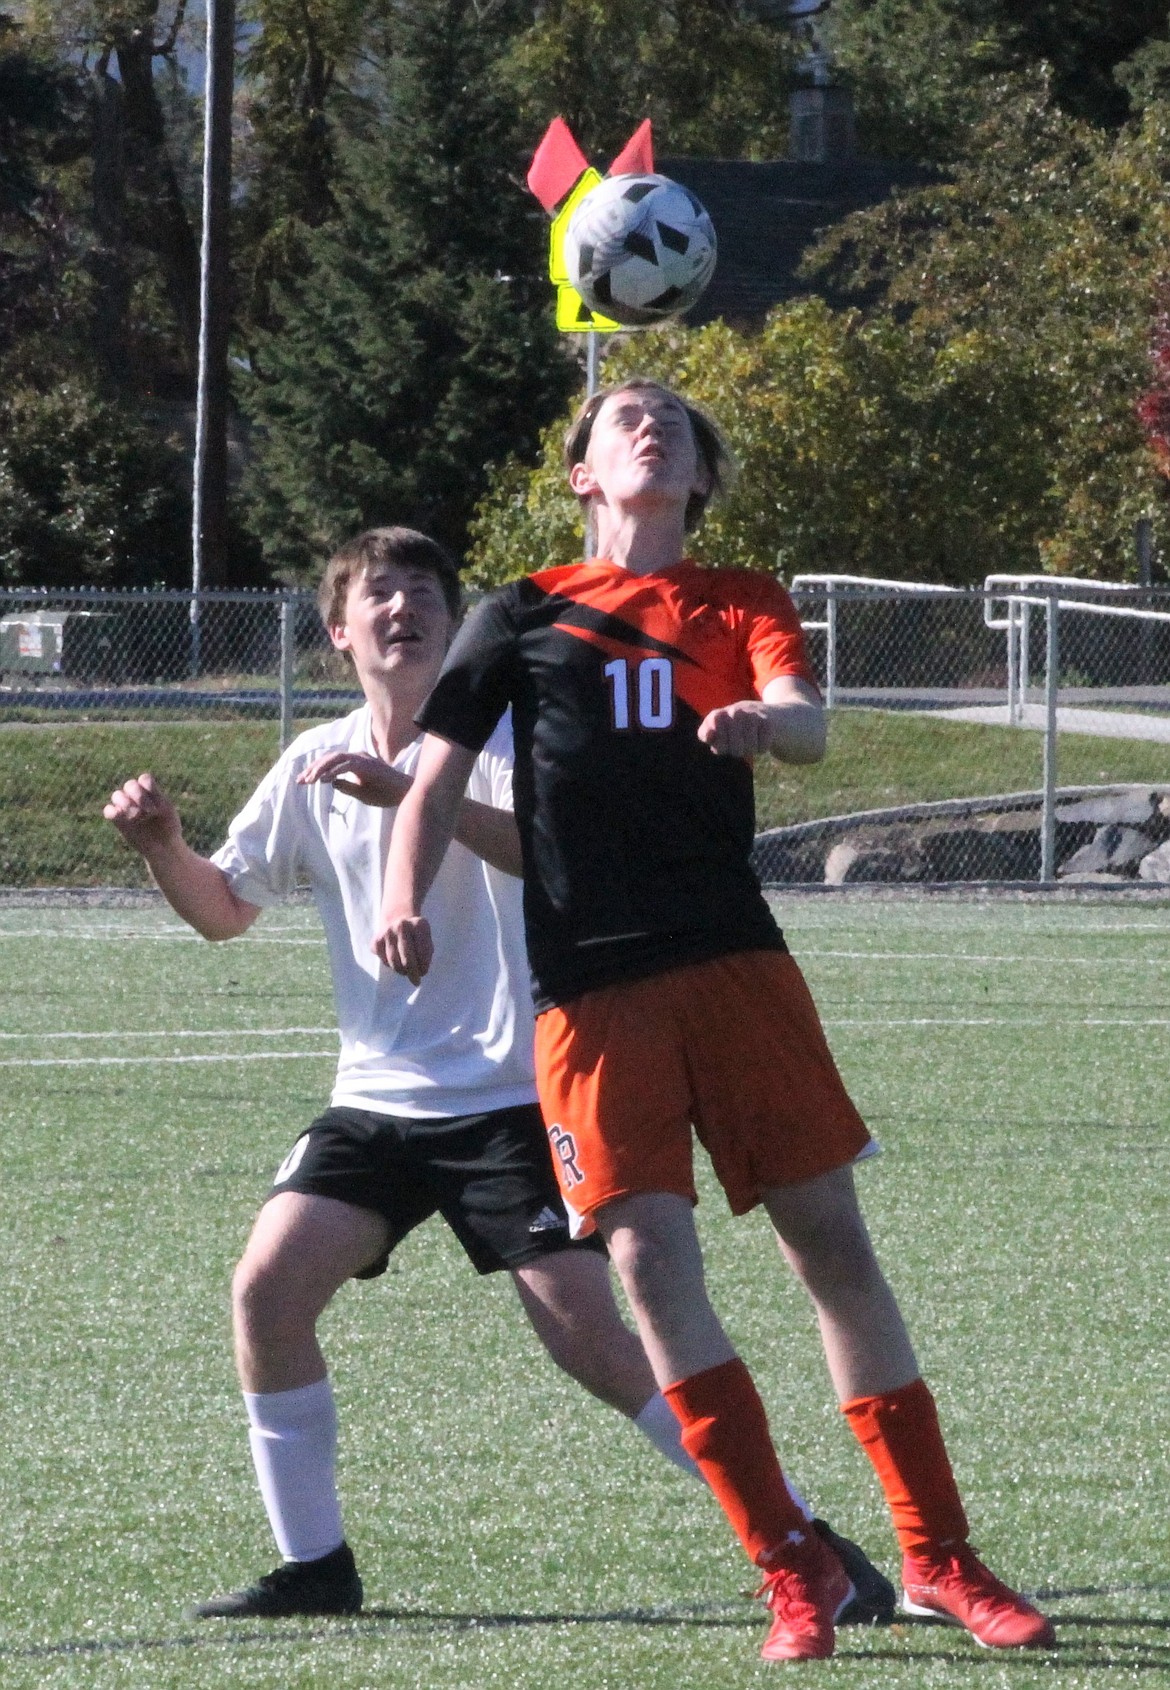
(1051, 683)
(830, 644)
(1013, 662)
(288, 628)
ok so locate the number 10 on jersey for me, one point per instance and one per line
(640, 695)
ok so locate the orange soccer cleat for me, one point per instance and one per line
(805, 1595)
(954, 1585)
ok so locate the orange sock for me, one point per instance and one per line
(725, 1431)
(900, 1433)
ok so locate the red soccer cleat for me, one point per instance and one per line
(805, 1595)
(955, 1586)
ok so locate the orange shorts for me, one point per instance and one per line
(733, 1047)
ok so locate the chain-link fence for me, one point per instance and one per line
(98, 686)
(160, 654)
(1018, 732)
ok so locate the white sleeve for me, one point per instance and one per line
(262, 853)
(495, 765)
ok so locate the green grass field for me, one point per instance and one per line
(513, 1534)
(55, 777)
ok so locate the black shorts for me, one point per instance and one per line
(490, 1177)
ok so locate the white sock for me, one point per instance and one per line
(293, 1435)
(658, 1422)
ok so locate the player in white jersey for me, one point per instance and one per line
(433, 1108)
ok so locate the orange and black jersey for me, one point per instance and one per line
(636, 837)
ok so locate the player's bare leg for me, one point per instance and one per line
(823, 1236)
(302, 1249)
(655, 1249)
(569, 1299)
(871, 1360)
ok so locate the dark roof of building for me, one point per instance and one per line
(766, 217)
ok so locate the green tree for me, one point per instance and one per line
(918, 67)
(88, 494)
(1050, 239)
(712, 77)
(299, 75)
(861, 448)
(416, 343)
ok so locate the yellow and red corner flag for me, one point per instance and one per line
(560, 176)
(557, 164)
(637, 156)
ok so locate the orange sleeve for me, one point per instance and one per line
(774, 638)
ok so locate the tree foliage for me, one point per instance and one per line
(712, 77)
(392, 319)
(416, 342)
(1051, 239)
(982, 415)
(88, 492)
(860, 448)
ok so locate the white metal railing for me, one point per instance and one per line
(1019, 596)
(830, 584)
(1021, 593)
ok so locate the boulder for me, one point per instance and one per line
(853, 860)
(978, 853)
(1112, 849)
(1128, 809)
(1156, 865)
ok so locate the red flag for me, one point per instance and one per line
(556, 164)
(637, 156)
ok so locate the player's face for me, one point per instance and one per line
(641, 453)
(396, 621)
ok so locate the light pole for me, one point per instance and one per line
(209, 498)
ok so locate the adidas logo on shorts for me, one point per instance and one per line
(548, 1221)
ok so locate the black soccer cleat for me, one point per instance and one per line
(328, 1586)
(874, 1599)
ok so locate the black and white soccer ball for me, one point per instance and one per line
(640, 249)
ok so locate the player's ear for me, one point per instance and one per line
(339, 635)
(582, 480)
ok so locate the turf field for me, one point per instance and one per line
(1013, 1059)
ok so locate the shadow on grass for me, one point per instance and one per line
(1140, 1656)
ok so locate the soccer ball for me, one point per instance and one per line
(639, 249)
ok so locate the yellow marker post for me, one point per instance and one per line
(573, 315)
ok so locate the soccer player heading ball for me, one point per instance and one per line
(641, 686)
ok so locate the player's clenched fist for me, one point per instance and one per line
(743, 729)
(143, 814)
(404, 943)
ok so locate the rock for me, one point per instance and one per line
(781, 862)
(1156, 865)
(978, 853)
(1129, 809)
(851, 861)
(1111, 849)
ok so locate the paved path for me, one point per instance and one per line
(1104, 724)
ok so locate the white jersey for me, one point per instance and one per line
(459, 1044)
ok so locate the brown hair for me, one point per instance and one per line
(405, 547)
(713, 452)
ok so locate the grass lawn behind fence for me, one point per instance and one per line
(54, 779)
(514, 1534)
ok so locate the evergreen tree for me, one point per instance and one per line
(417, 343)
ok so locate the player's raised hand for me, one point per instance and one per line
(360, 775)
(738, 730)
(144, 815)
(404, 943)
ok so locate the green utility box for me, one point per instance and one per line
(75, 644)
